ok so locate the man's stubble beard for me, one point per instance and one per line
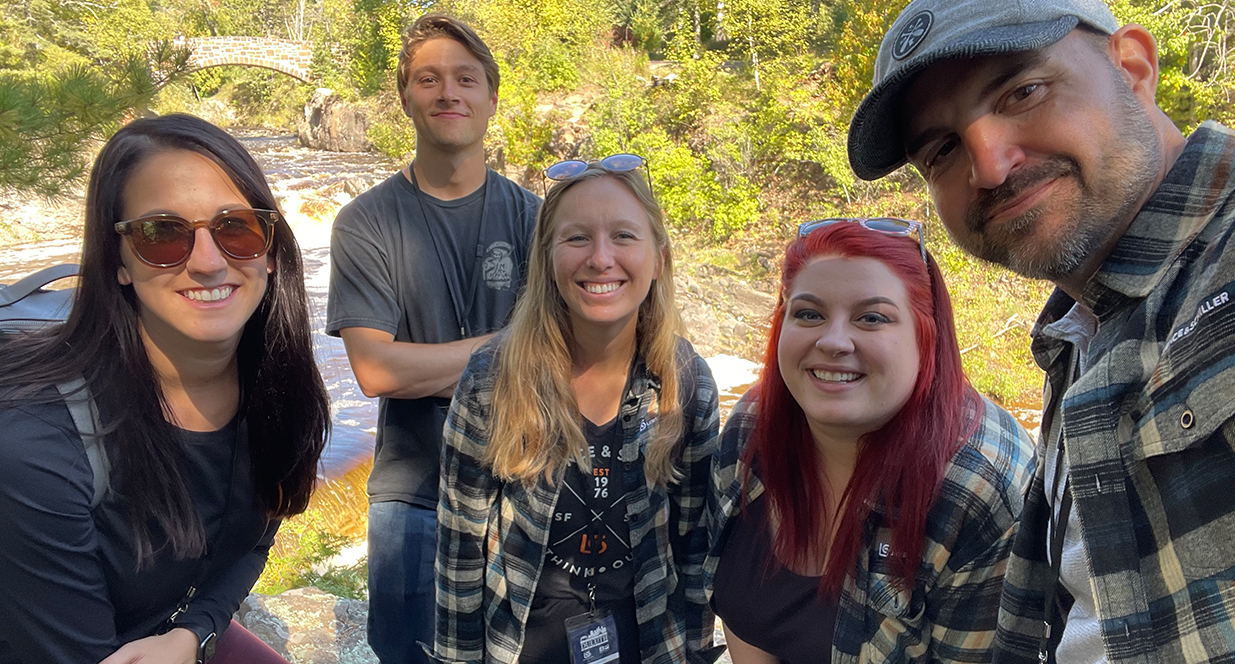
(1127, 170)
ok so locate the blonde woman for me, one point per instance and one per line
(577, 449)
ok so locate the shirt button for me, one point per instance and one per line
(626, 465)
(1187, 419)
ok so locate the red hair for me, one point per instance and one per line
(900, 465)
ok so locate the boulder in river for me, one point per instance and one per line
(331, 123)
(309, 626)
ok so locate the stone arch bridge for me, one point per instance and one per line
(288, 56)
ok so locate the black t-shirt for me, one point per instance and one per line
(70, 590)
(765, 604)
(588, 554)
(421, 269)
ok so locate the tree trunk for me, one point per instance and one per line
(754, 54)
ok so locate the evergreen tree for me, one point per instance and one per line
(51, 121)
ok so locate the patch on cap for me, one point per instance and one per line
(912, 34)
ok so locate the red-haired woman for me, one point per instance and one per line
(865, 496)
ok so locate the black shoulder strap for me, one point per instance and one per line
(13, 293)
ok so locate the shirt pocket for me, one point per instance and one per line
(1181, 440)
(1187, 399)
(886, 598)
(894, 618)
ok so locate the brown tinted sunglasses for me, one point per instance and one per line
(166, 240)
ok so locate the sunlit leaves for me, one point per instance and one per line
(49, 122)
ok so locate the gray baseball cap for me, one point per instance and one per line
(929, 31)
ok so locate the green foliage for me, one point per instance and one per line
(177, 98)
(125, 29)
(375, 48)
(700, 85)
(393, 135)
(70, 73)
(328, 73)
(552, 67)
(623, 110)
(853, 61)
(522, 133)
(992, 320)
(48, 121)
(41, 33)
(262, 97)
(1194, 60)
(300, 558)
(543, 39)
(645, 22)
(761, 29)
(686, 186)
(207, 81)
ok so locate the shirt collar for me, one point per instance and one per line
(1197, 185)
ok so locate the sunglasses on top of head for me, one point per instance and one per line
(885, 225)
(166, 240)
(614, 163)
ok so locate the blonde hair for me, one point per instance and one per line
(535, 426)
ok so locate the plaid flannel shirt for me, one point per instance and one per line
(950, 614)
(493, 535)
(1147, 431)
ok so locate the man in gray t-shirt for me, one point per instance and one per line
(425, 267)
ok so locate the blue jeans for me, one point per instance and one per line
(402, 544)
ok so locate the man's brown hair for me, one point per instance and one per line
(433, 26)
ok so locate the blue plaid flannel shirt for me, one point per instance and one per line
(949, 615)
(1148, 431)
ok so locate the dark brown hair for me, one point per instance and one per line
(283, 400)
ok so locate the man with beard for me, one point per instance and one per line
(1035, 127)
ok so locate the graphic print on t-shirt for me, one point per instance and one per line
(499, 265)
(590, 536)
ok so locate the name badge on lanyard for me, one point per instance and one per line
(593, 638)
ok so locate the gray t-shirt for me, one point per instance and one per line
(426, 271)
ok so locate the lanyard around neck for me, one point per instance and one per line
(462, 311)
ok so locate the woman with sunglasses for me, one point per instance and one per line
(577, 450)
(189, 339)
(865, 496)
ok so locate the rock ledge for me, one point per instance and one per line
(309, 626)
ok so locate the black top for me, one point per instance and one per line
(421, 268)
(589, 549)
(69, 589)
(765, 604)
